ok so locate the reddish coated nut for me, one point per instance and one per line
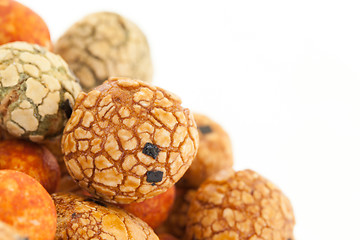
(19, 23)
(26, 206)
(104, 45)
(32, 159)
(241, 205)
(153, 211)
(127, 141)
(85, 218)
(214, 153)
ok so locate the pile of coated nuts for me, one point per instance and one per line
(90, 149)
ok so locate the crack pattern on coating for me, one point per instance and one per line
(103, 45)
(241, 205)
(78, 218)
(104, 139)
(35, 84)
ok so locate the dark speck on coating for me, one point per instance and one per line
(151, 150)
(154, 176)
(205, 129)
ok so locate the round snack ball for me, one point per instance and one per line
(26, 206)
(32, 159)
(154, 211)
(37, 91)
(214, 153)
(127, 141)
(9, 233)
(103, 45)
(19, 23)
(80, 217)
(241, 205)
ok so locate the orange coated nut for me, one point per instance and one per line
(127, 141)
(19, 23)
(84, 218)
(32, 159)
(104, 45)
(214, 153)
(153, 211)
(26, 206)
(241, 205)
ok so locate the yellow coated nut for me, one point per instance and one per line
(122, 147)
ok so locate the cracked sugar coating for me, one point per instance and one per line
(214, 153)
(241, 205)
(104, 141)
(35, 85)
(80, 217)
(104, 45)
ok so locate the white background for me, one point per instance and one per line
(282, 77)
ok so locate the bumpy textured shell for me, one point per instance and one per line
(214, 153)
(241, 205)
(128, 140)
(83, 218)
(104, 45)
(37, 91)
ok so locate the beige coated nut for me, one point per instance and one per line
(104, 45)
(37, 91)
(241, 205)
(122, 145)
(81, 218)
